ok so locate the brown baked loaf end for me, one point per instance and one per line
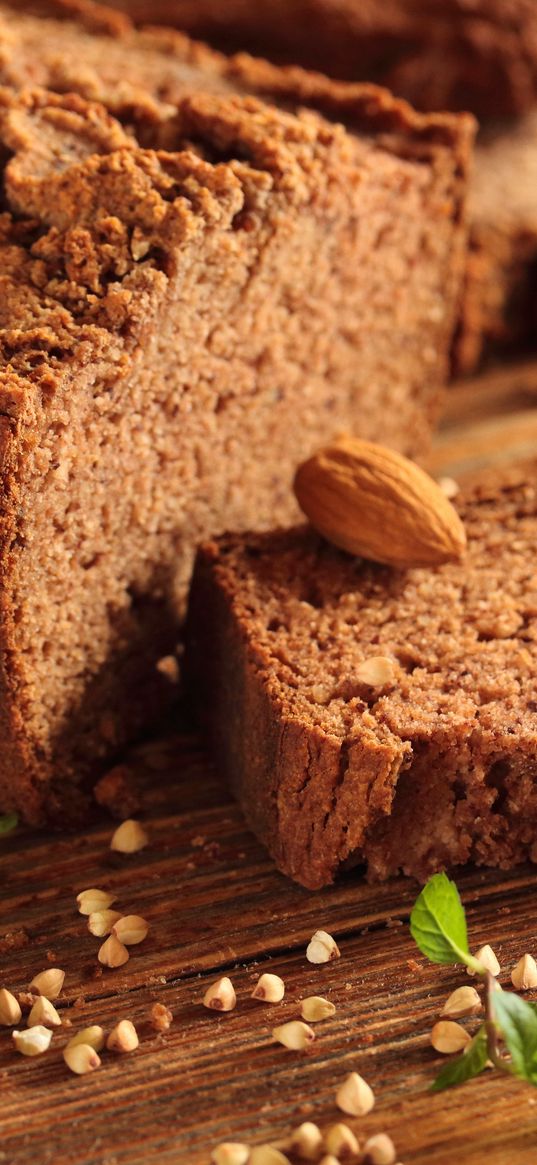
(451, 55)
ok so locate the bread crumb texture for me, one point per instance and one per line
(433, 768)
(197, 289)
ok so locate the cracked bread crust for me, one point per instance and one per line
(481, 56)
(431, 770)
(179, 283)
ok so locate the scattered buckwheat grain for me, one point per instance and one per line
(379, 1150)
(101, 922)
(129, 837)
(81, 1058)
(91, 901)
(123, 1037)
(448, 1037)
(315, 1008)
(33, 1041)
(322, 948)
(355, 1097)
(266, 1155)
(230, 1153)
(524, 975)
(131, 929)
(341, 1141)
(294, 1035)
(10, 1010)
(486, 956)
(269, 988)
(48, 983)
(462, 1002)
(93, 1036)
(113, 953)
(43, 1013)
(306, 1141)
(220, 996)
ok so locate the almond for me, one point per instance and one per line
(373, 502)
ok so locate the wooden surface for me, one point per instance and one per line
(215, 904)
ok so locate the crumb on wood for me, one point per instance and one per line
(117, 791)
(26, 1000)
(161, 1017)
(14, 940)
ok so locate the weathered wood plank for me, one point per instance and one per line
(507, 388)
(213, 1076)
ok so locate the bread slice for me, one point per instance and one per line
(368, 715)
(195, 290)
(451, 55)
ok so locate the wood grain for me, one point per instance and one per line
(215, 903)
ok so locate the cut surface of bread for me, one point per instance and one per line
(423, 761)
(197, 287)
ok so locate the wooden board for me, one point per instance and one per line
(215, 904)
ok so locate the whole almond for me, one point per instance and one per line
(373, 502)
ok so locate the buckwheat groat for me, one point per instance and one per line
(196, 290)
(368, 715)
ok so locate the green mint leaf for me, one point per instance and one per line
(471, 1063)
(438, 923)
(8, 822)
(517, 1021)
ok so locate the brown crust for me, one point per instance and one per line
(12, 757)
(499, 305)
(445, 54)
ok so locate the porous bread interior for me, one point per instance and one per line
(459, 715)
(209, 368)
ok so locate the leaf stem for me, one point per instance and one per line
(493, 1050)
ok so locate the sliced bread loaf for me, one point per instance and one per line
(195, 290)
(369, 715)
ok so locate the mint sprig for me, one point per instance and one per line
(438, 927)
(471, 1063)
(438, 924)
(517, 1021)
(8, 822)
